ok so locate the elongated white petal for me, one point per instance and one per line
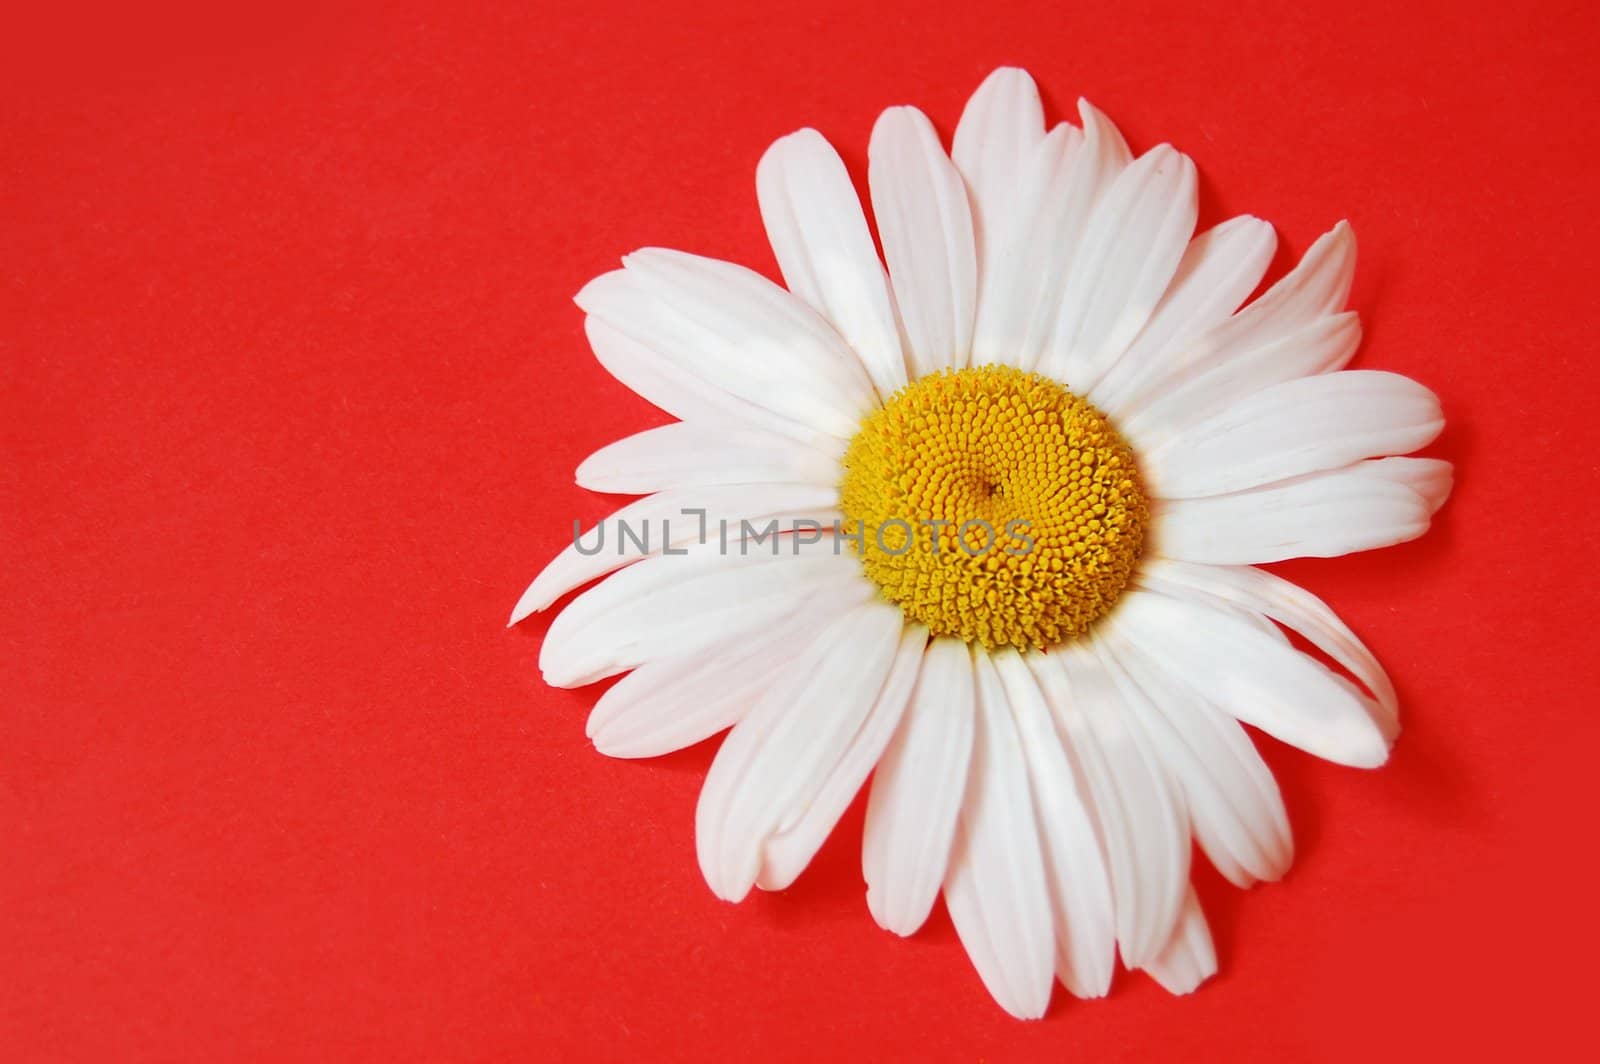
(1029, 251)
(1234, 804)
(732, 327)
(694, 455)
(819, 235)
(1190, 958)
(1322, 515)
(1138, 815)
(1227, 375)
(776, 761)
(1002, 124)
(1316, 288)
(1219, 270)
(1134, 241)
(804, 829)
(672, 520)
(1026, 282)
(1289, 604)
(669, 605)
(917, 791)
(925, 223)
(1294, 428)
(996, 889)
(669, 703)
(677, 391)
(1319, 285)
(1256, 679)
(1431, 478)
(1080, 887)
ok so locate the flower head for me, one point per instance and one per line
(983, 525)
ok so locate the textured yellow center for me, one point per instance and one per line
(994, 505)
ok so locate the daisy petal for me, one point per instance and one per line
(776, 761)
(820, 238)
(1431, 478)
(1024, 281)
(670, 703)
(925, 223)
(1254, 678)
(1219, 270)
(1086, 940)
(996, 889)
(730, 326)
(1190, 958)
(696, 455)
(797, 840)
(1294, 428)
(679, 393)
(1234, 804)
(670, 520)
(917, 791)
(1139, 817)
(1028, 252)
(1226, 376)
(668, 606)
(1289, 604)
(998, 131)
(1316, 288)
(1319, 285)
(667, 704)
(1132, 247)
(1054, 797)
(1322, 515)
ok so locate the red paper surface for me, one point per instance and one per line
(293, 389)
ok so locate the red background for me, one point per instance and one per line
(293, 390)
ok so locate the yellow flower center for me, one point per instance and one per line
(994, 505)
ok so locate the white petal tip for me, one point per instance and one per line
(545, 589)
(564, 673)
(612, 747)
(1186, 964)
(730, 892)
(1026, 1010)
(898, 113)
(1008, 77)
(1373, 761)
(525, 608)
(1439, 492)
(1371, 749)
(591, 294)
(1181, 983)
(1086, 985)
(772, 157)
(1362, 742)
(1087, 991)
(901, 924)
(805, 133)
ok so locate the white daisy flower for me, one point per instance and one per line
(1047, 447)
